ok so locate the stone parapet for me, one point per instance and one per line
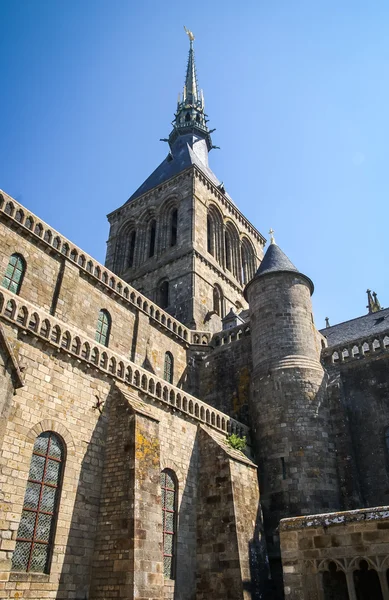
(66, 339)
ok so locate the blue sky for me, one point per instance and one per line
(298, 92)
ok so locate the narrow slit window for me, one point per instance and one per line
(169, 521)
(153, 229)
(131, 253)
(14, 273)
(103, 328)
(163, 294)
(173, 238)
(35, 536)
(168, 368)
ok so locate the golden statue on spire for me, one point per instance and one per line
(189, 34)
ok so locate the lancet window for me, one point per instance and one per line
(14, 273)
(163, 294)
(131, 249)
(217, 301)
(103, 328)
(173, 227)
(169, 521)
(152, 237)
(35, 536)
(248, 261)
(168, 367)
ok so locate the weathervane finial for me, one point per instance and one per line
(271, 232)
(189, 34)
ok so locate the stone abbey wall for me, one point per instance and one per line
(359, 392)
(120, 423)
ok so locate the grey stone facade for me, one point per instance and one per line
(168, 388)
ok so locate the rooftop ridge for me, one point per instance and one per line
(375, 316)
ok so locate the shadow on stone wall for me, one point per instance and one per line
(185, 584)
(260, 585)
(75, 575)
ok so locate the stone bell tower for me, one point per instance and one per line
(180, 239)
(289, 408)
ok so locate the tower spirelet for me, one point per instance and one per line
(190, 116)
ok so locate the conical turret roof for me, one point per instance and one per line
(276, 261)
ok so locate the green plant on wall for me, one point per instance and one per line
(236, 442)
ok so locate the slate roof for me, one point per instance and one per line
(183, 156)
(276, 261)
(354, 329)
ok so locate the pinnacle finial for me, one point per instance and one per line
(271, 233)
(189, 34)
(327, 322)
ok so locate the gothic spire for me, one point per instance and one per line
(190, 117)
(190, 95)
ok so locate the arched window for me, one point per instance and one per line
(228, 251)
(14, 273)
(209, 235)
(217, 301)
(153, 229)
(131, 249)
(169, 521)
(334, 583)
(367, 583)
(168, 367)
(103, 328)
(35, 537)
(163, 294)
(173, 234)
(248, 261)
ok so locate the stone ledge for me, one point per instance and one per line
(379, 513)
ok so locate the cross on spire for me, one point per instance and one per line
(271, 232)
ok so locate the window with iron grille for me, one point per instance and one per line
(103, 328)
(35, 537)
(13, 277)
(169, 521)
(168, 368)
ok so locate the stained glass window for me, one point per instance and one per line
(169, 520)
(13, 277)
(168, 368)
(103, 328)
(34, 542)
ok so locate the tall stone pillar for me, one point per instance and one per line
(289, 407)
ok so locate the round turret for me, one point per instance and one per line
(289, 408)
